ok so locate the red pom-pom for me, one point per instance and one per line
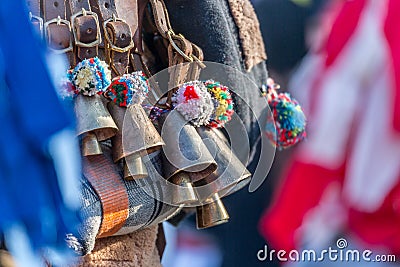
(190, 93)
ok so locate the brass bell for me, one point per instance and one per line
(90, 145)
(211, 214)
(184, 149)
(184, 194)
(137, 136)
(134, 164)
(94, 123)
(230, 176)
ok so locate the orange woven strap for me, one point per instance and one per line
(110, 188)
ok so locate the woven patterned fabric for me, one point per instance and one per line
(144, 210)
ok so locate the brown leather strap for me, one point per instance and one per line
(137, 38)
(76, 6)
(180, 72)
(133, 13)
(105, 180)
(86, 29)
(57, 29)
(54, 8)
(161, 17)
(105, 10)
(179, 49)
(118, 45)
(195, 69)
(117, 35)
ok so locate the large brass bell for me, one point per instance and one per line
(184, 148)
(184, 154)
(211, 214)
(230, 175)
(137, 136)
(94, 123)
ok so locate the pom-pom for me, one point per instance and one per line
(91, 76)
(128, 89)
(287, 117)
(194, 102)
(65, 89)
(223, 103)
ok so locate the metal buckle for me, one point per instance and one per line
(40, 20)
(59, 21)
(170, 33)
(83, 13)
(109, 42)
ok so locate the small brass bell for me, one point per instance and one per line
(211, 214)
(184, 194)
(94, 123)
(134, 165)
(137, 136)
(90, 145)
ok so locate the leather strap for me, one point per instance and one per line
(137, 38)
(179, 74)
(54, 8)
(105, 10)
(110, 188)
(195, 69)
(86, 29)
(118, 45)
(57, 29)
(133, 13)
(117, 36)
(161, 17)
(35, 16)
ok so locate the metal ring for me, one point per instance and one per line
(177, 49)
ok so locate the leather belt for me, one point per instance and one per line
(57, 29)
(85, 28)
(105, 180)
(118, 44)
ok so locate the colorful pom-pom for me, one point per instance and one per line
(287, 125)
(128, 89)
(194, 102)
(223, 103)
(65, 89)
(91, 76)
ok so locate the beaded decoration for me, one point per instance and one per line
(128, 89)
(91, 76)
(287, 125)
(223, 103)
(194, 102)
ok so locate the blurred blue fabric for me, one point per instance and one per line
(30, 114)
